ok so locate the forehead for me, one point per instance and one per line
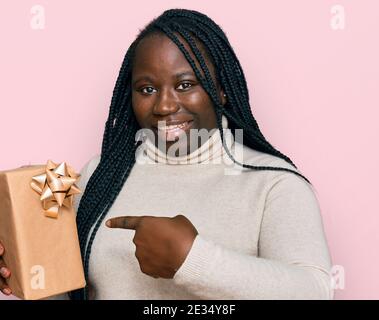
(158, 54)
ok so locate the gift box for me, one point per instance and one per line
(38, 230)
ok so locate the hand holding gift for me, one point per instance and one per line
(38, 234)
(4, 273)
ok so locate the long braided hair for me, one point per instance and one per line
(119, 143)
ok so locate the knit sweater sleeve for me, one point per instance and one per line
(293, 260)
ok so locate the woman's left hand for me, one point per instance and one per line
(162, 243)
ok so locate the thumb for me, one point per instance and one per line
(124, 222)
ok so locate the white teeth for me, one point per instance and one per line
(172, 127)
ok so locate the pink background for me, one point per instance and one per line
(314, 92)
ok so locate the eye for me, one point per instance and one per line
(186, 85)
(148, 91)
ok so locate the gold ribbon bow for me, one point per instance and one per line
(56, 187)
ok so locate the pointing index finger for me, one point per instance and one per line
(124, 222)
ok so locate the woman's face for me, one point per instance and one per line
(165, 88)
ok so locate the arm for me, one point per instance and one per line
(293, 260)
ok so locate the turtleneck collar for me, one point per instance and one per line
(209, 151)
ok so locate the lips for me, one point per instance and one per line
(170, 130)
(170, 122)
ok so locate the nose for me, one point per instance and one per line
(166, 103)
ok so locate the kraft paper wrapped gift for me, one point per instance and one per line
(38, 230)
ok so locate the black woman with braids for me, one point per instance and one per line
(224, 218)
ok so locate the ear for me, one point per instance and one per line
(222, 96)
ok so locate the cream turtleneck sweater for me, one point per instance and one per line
(260, 232)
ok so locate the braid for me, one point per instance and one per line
(245, 118)
(119, 146)
(229, 79)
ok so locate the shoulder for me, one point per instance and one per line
(260, 158)
(85, 173)
(92, 164)
(274, 181)
(246, 155)
(89, 167)
(286, 192)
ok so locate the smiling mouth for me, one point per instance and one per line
(171, 132)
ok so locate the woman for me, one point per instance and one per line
(159, 224)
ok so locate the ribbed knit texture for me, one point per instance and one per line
(260, 232)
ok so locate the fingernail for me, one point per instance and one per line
(108, 223)
(4, 271)
(7, 291)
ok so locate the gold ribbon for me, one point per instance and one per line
(56, 187)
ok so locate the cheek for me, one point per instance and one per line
(141, 108)
(203, 107)
(199, 102)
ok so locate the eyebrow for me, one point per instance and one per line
(177, 76)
